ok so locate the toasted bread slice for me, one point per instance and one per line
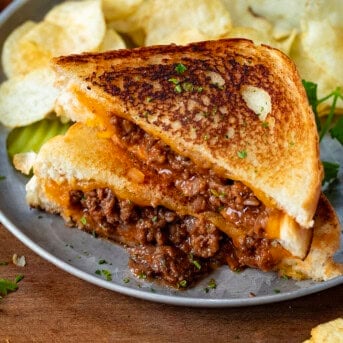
(82, 160)
(233, 106)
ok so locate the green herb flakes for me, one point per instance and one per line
(187, 86)
(126, 280)
(182, 284)
(154, 219)
(98, 272)
(107, 274)
(178, 89)
(242, 154)
(276, 291)
(174, 81)
(2, 177)
(212, 284)
(180, 68)
(197, 264)
(3, 263)
(83, 220)
(102, 261)
(7, 286)
(18, 278)
(142, 275)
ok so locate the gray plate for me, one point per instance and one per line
(78, 253)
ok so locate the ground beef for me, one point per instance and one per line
(204, 190)
(167, 263)
(163, 244)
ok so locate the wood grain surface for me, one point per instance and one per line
(53, 306)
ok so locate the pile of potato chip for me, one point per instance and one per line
(309, 31)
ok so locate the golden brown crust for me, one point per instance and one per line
(204, 115)
(319, 264)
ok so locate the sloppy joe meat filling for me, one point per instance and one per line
(204, 190)
(161, 244)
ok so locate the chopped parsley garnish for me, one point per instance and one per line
(182, 283)
(3, 263)
(265, 124)
(18, 278)
(195, 262)
(7, 286)
(178, 89)
(199, 89)
(107, 274)
(212, 284)
(83, 220)
(188, 86)
(142, 275)
(98, 272)
(242, 154)
(148, 99)
(102, 261)
(154, 219)
(2, 177)
(180, 68)
(126, 280)
(276, 291)
(174, 81)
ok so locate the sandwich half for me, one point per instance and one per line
(234, 109)
(101, 187)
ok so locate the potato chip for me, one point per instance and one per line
(111, 41)
(36, 48)
(11, 65)
(72, 27)
(208, 18)
(330, 332)
(318, 50)
(182, 37)
(83, 22)
(26, 99)
(241, 15)
(137, 37)
(119, 9)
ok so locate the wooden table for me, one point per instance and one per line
(53, 306)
